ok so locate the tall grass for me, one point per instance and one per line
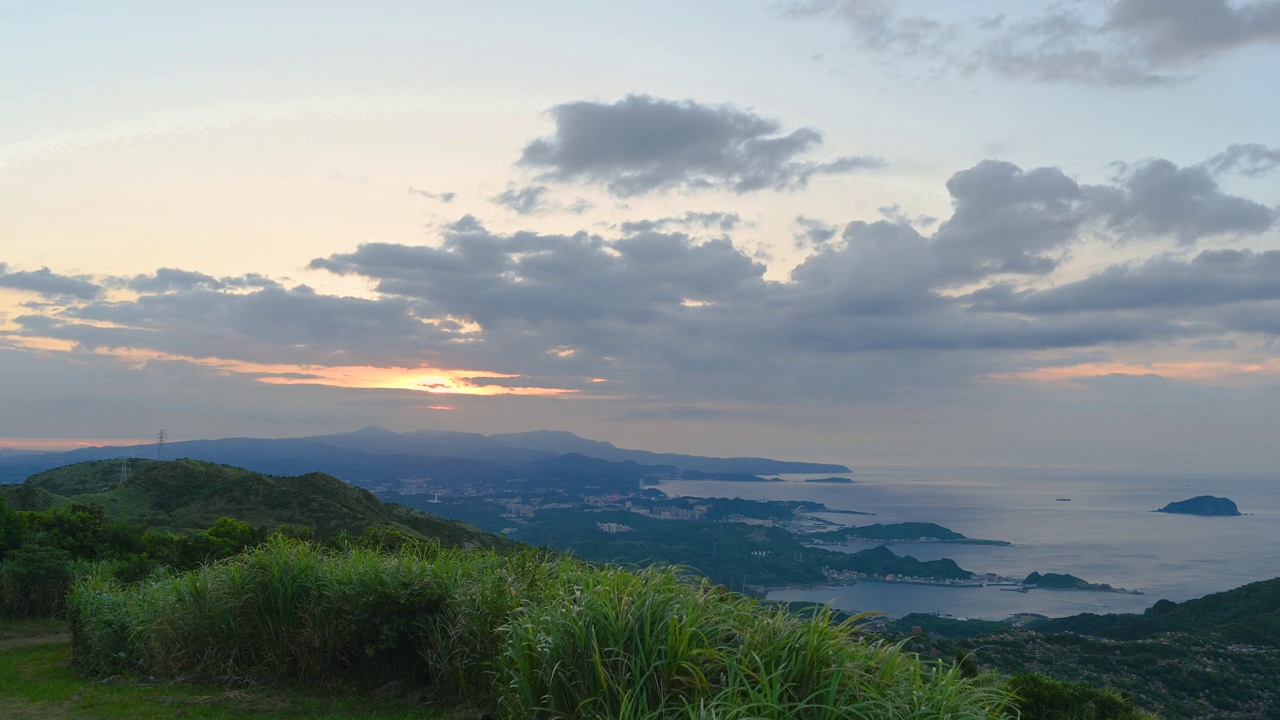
(525, 634)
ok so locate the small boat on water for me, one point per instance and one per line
(1064, 499)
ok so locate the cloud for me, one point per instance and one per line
(1250, 160)
(172, 279)
(267, 325)
(877, 25)
(1178, 32)
(1159, 198)
(535, 200)
(705, 220)
(1061, 45)
(1120, 43)
(444, 197)
(49, 284)
(1211, 278)
(642, 144)
(527, 200)
(672, 318)
(813, 232)
(496, 279)
(165, 280)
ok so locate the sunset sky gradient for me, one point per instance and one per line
(862, 231)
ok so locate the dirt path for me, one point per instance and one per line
(29, 640)
(25, 633)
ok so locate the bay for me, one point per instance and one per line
(1095, 524)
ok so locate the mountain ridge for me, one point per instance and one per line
(372, 455)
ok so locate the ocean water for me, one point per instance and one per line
(1107, 533)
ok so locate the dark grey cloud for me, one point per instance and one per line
(642, 144)
(659, 309)
(1250, 160)
(49, 284)
(1160, 198)
(173, 279)
(1261, 318)
(1211, 278)
(527, 277)
(536, 200)
(690, 220)
(1175, 32)
(444, 197)
(166, 280)
(1010, 220)
(813, 232)
(673, 318)
(1119, 43)
(526, 200)
(268, 325)
(895, 213)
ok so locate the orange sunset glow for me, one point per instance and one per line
(421, 379)
(1198, 372)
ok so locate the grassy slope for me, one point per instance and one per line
(189, 495)
(519, 634)
(1248, 614)
(36, 682)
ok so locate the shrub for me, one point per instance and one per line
(13, 528)
(530, 635)
(1039, 697)
(34, 581)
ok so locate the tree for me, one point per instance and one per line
(76, 528)
(13, 529)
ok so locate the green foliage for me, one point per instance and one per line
(13, 528)
(34, 581)
(620, 644)
(529, 635)
(1248, 614)
(948, 627)
(76, 528)
(187, 496)
(30, 498)
(1040, 697)
(1178, 676)
(37, 682)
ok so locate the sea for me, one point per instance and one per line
(1098, 525)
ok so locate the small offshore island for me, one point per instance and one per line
(898, 532)
(1206, 505)
(1070, 582)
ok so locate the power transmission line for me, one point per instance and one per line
(160, 445)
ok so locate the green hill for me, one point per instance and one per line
(1248, 614)
(902, 532)
(190, 495)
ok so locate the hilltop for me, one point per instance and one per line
(190, 495)
(1249, 614)
(1215, 656)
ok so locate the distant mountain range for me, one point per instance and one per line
(376, 456)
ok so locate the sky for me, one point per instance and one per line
(859, 231)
